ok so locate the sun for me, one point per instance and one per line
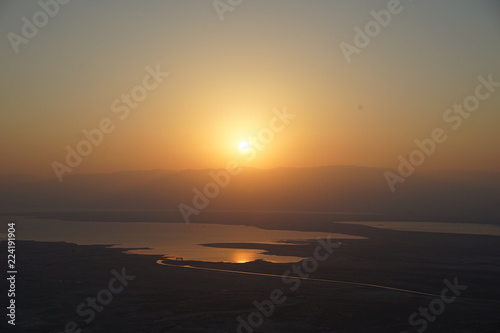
(244, 146)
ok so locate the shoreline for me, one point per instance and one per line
(182, 300)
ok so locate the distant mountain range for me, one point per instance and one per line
(454, 196)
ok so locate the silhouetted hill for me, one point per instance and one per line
(459, 196)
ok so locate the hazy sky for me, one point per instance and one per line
(227, 76)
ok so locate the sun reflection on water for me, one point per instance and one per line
(241, 256)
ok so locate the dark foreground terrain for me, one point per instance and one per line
(54, 279)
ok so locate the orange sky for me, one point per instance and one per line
(225, 79)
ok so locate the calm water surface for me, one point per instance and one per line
(438, 227)
(168, 239)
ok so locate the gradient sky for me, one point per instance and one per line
(226, 78)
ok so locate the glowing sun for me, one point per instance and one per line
(244, 145)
